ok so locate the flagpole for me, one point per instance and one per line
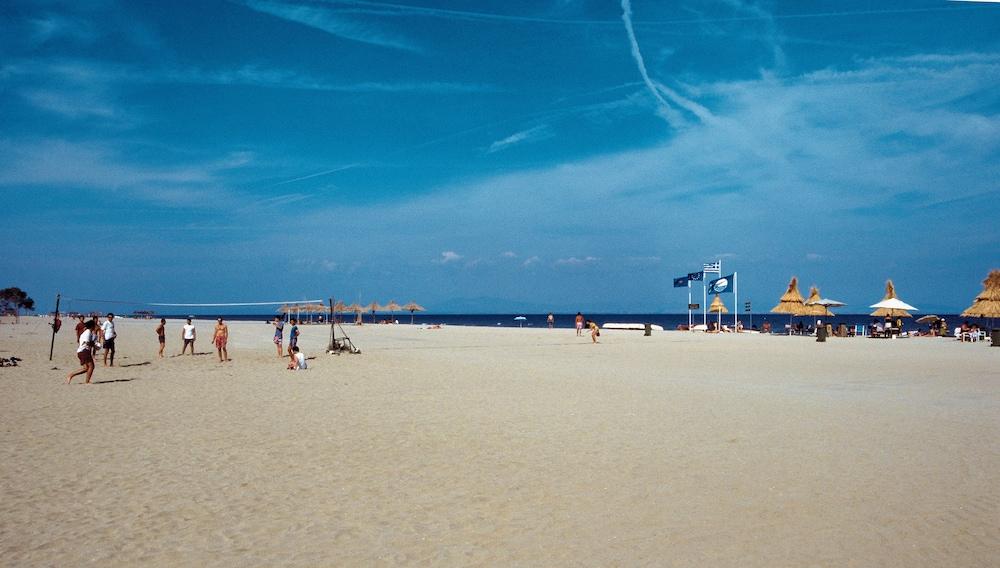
(704, 301)
(736, 303)
(689, 304)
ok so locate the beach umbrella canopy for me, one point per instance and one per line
(987, 303)
(520, 320)
(413, 307)
(894, 307)
(718, 307)
(340, 306)
(392, 306)
(791, 302)
(812, 305)
(890, 293)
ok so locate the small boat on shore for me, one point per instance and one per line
(632, 326)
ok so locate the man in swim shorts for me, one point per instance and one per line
(293, 336)
(161, 335)
(579, 324)
(220, 339)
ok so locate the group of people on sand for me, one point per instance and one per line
(92, 336)
(297, 359)
(581, 322)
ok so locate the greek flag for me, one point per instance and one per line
(680, 282)
(713, 267)
(721, 285)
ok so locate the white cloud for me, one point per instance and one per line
(574, 261)
(448, 256)
(509, 254)
(531, 261)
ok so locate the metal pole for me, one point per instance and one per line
(736, 302)
(333, 335)
(52, 346)
(689, 304)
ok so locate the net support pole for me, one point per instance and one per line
(52, 346)
(333, 333)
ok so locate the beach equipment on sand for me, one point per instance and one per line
(885, 312)
(718, 306)
(413, 307)
(812, 305)
(520, 321)
(893, 307)
(791, 302)
(392, 306)
(373, 307)
(987, 303)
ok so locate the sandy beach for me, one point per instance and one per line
(479, 446)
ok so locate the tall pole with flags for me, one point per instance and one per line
(736, 303)
(689, 304)
(708, 268)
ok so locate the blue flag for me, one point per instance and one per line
(695, 275)
(680, 282)
(721, 285)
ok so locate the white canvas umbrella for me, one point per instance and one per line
(828, 303)
(894, 304)
(520, 320)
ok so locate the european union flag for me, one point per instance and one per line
(680, 282)
(695, 275)
(721, 285)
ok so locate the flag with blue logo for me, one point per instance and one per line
(695, 276)
(721, 285)
(680, 282)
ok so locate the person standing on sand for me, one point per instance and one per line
(109, 339)
(81, 326)
(551, 320)
(84, 354)
(293, 336)
(595, 331)
(188, 335)
(96, 343)
(221, 338)
(161, 336)
(579, 324)
(279, 327)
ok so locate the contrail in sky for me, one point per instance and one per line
(668, 112)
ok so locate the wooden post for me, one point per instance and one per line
(52, 346)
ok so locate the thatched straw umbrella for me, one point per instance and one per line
(357, 309)
(392, 306)
(718, 306)
(890, 293)
(373, 307)
(791, 302)
(987, 303)
(413, 307)
(812, 305)
(339, 307)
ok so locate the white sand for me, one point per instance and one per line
(466, 446)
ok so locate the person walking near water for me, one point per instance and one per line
(279, 327)
(84, 353)
(579, 324)
(108, 328)
(221, 338)
(188, 335)
(551, 320)
(161, 335)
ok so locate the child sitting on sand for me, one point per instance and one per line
(297, 360)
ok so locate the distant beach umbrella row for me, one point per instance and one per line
(341, 307)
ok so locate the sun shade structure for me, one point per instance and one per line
(393, 307)
(413, 307)
(894, 307)
(718, 306)
(813, 304)
(373, 307)
(357, 309)
(791, 302)
(890, 312)
(987, 303)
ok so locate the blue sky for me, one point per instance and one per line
(497, 156)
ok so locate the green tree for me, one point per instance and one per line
(15, 299)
